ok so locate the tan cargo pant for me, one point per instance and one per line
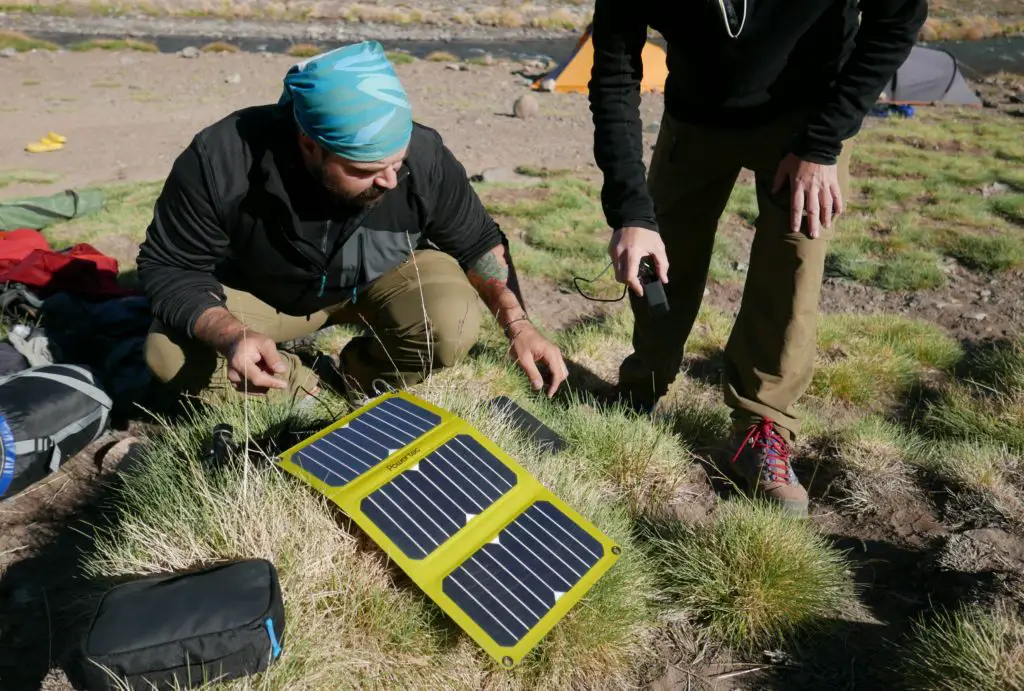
(769, 357)
(423, 314)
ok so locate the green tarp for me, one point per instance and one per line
(38, 212)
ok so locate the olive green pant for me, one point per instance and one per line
(770, 353)
(421, 315)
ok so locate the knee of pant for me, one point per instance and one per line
(453, 331)
(163, 358)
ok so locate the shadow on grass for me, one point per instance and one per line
(897, 584)
(47, 600)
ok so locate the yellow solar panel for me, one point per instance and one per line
(499, 553)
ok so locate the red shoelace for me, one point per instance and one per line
(764, 437)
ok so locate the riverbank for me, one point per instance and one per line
(978, 58)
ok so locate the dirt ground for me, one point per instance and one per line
(127, 115)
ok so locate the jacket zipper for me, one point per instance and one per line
(323, 247)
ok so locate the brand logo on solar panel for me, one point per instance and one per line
(497, 551)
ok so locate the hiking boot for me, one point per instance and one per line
(763, 461)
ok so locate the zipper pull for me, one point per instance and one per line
(323, 282)
(354, 289)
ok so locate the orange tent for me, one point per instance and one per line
(573, 75)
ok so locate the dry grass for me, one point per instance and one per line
(970, 647)
(114, 44)
(220, 47)
(349, 613)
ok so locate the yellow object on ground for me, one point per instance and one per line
(51, 142)
(573, 75)
(497, 551)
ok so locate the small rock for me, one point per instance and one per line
(740, 266)
(526, 106)
(487, 59)
(976, 316)
(189, 52)
(503, 175)
(233, 78)
(457, 67)
(985, 293)
(1017, 97)
(994, 188)
(8, 52)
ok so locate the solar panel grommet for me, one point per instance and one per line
(507, 661)
(616, 550)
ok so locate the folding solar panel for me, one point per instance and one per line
(498, 552)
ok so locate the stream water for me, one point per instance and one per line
(976, 58)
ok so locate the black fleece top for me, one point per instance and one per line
(786, 56)
(239, 209)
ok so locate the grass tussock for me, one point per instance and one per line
(985, 402)
(304, 50)
(114, 44)
(970, 647)
(641, 458)
(22, 43)
(350, 615)
(874, 455)
(753, 577)
(398, 57)
(441, 56)
(220, 47)
(869, 360)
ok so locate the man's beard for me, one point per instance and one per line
(365, 199)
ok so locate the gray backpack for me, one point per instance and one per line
(48, 414)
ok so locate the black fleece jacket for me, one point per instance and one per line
(806, 56)
(239, 209)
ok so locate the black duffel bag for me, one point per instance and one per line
(47, 415)
(184, 630)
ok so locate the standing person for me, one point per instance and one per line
(775, 86)
(330, 206)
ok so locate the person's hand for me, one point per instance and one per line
(814, 189)
(529, 348)
(252, 361)
(630, 245)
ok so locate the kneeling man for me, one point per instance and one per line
(332, 206)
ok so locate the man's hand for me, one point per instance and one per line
(252, 357)
(529, 348)
(814, 188)
(252, 361)
(630, 245)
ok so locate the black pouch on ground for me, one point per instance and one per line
(183, 630)
(47, 415)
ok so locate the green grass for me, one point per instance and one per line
(971, 647)
(27, 177)
(113, 44)
(871, 360)
(985, 403)
(752, 577)
(22, 43)
(919, 198)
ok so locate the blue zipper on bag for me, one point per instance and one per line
(8, 457)
(274, 645)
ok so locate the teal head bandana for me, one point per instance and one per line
(351, 102)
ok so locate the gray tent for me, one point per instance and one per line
(929, 76)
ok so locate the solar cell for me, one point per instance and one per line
(434, 499)
(510, 583)
(349, 451)
(497, 551)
